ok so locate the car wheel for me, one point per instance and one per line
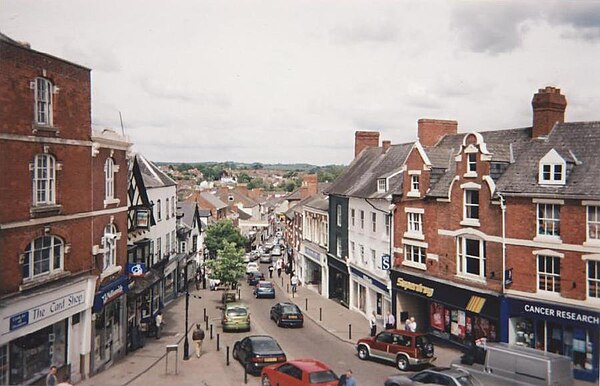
(402, 363)
(265, 381)
(235, 353)
(363, 352)
(278, 322)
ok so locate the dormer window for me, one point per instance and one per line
(471, 163)
(381, 185)
(414, 188)
(552, 169)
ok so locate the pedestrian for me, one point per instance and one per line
(350, 380)
(51, 379)
(294, 281)
(198, 337)
(373, 323)
(407, 324)
(270, 271)
(158, 319)
(390, 321)
(279, 267)
(412, 324)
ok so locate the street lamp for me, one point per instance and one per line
(186, 343)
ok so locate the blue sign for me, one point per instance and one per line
(136, 270)
(386, 262)
(19, 320)
(314, 254)
(110, 292)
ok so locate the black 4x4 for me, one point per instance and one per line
(403, 348)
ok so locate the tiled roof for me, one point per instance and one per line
(319, 202)
(359, 179)
(187, 211)
(213, 200)
(578, 143)
(153, 176)
(202, 212)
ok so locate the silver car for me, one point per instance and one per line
(435, 375)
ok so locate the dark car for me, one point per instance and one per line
(287, 314)
(264, 289)
(228, 297)
(257, 351)
(436, 375)
(404, 348)
(254, 277)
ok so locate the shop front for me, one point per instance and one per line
(569, 331)
(454, 314)
(45, 328)
(170, 281)
(368, 294)
(144, 300)
(186, 267)
(109, 323)
(339, 280)
(314, 266)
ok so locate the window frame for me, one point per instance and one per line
(352, 216)
(415, 183)
(339, 247)
(593, 280)
(381, 185)
(555, 277)
(109, 245)
(388, 225)
(374, 222)
(472, 163)
(158, 210)
(462, 262)
(595, 223)
(338, 215)
(414, 220)
(167, 208)
(362, 219)
(43, 98)
(109, 179)
(544, 222)
(409, 255)
(470, 209)
(30, 261)
(44, 175)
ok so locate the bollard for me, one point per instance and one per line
(287, 288)
(218, 347)
(320, 314)
(211, 332)
(306, 304)
(239, 293)
(282, 281)
(227, 355)
(204, 313)
(350, 331)
(245, 375)
(206, 321)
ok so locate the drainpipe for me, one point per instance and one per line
(503, 303)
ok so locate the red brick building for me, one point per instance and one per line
(62, 210)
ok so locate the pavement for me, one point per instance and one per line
(152, 360)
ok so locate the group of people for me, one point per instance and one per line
(390, 323)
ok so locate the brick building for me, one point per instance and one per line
(62, 211)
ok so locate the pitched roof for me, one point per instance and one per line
(202, 212)
(153, 176)
(187, 211)
(319, 202)
(213, 200)
(359, 179)
(578, 144)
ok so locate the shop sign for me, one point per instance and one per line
(110, 292)
(46, 310)
(142, 218)
(314, 254)
(385, 262)
(562, 313)
(414, 287)
(369, 279)
(136, 270)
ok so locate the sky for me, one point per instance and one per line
(291, 81)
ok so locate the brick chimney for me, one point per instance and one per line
(309, 185)
(549, 107)
(363, 139)
(430, 131)
(386, 145)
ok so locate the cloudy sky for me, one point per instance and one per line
(290, 81)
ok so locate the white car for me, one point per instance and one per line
(251, 267)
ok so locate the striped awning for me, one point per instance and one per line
(475, 304)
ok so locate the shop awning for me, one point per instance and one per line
(138, 285)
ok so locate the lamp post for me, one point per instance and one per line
(186, 343)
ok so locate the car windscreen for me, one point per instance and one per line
(290, 309)
(265, 345)
(265, 285)
(422, 341)
(237, 311)
(322, 376)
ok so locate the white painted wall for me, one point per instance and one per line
(165, 225)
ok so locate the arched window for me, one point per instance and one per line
(43, 255)
(43, 102)
(109, 181)
(109, 244)
(44, 170)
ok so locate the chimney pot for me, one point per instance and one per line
(549, 107)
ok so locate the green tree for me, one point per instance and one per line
(228, 267)
(256, 183)
(220, 232)
(243, 178)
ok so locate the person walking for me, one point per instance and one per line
(198, 337)
(412, 324)
(294, 281)
(390, 321)
(51, 379)
(350, 380)
(373, 323)
(279, 267)
(158, 321)
(271, 271)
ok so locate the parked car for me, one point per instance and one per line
(251, 267)
(254, 277)
(235, 317)
(436, 375)
(257, 351)
(299, 372)
(287, 314)
(228, 297)
(276, 251)
(264, 289)
(506, 364)
(266, 258)
(404, 348)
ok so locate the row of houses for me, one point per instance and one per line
(93, 242)
(491, 234)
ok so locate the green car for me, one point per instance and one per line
(235, 317)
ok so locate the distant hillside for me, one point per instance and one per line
(302, 167)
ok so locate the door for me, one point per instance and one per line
(108, 330)
(379, 304)
(289, 375)
(381, 346)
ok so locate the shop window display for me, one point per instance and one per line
(524, 335)
(459, 326)
(4, 367)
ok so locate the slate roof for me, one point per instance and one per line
(237, 197)
(319, 202)
(202, 212)
(359, 179)
(187, 211)
(213, 200)
(152, 175)
(579, 144)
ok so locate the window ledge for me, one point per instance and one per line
(111, 201)
(36, 127)
(45, 210)
(414, 235)
(471, 222)
(111, 270)
(42, 279)
(470, 175)
(592, 243)
(408, 263)
(413, 193)
(472, 278)
(548, 295)
(547, 239)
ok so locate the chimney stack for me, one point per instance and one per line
(549, 107)
(430, 131)
(364, 139)
(386, 145)
(309, 185)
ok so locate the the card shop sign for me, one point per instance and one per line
(47, 310)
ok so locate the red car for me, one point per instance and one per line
(299, 372)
